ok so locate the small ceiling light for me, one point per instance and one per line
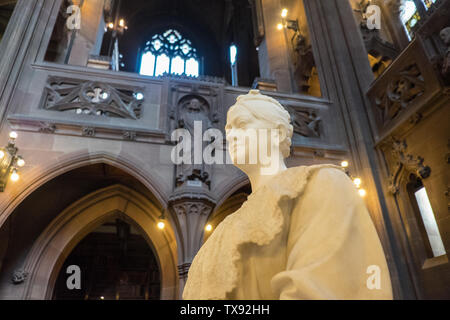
(110, 25)
(284, 13)
(14, 176)
(122, 23)
(208, 227)
(20, 162)
(357, 182)
(344, 164)
(362, 192)
(161, 225)
(279, 26)
(13, 135)
(2, 154)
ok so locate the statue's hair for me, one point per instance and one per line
(279, 117)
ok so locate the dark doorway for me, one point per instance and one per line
(116, 263)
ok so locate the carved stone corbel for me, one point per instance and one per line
(405, 163)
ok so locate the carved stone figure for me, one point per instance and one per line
(303, 233)
(192, 111)
(19, 276)
(445, 37)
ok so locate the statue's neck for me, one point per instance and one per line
(260, 176)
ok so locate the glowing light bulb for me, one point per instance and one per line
(208, 227)
(161, 225)
(344, 164)
(13, 135)
(102, 298)
(279, 26)
(122, 23)
(357, 182)
(362, 192)
(284, 13)
(14, 176)
(2, 154)
(111, 25)
(20, 162)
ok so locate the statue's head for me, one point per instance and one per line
(258, 125)
(194, 105)
(445, 35)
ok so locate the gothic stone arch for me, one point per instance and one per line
(45, 259)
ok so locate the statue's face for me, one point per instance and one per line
(194, 105)
(251, 141)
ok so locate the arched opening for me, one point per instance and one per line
(49, 223)
(115, 263)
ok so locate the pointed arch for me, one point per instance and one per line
(49, 252)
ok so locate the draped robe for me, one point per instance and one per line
(304, 235)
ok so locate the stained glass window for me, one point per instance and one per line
(428, 3)
(171, 53)
(409, 16)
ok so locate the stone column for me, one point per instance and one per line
(86, 38)
(345, 76)
(190, 210)
(273, 54)
(392, 10)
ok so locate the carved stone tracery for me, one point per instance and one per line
(91, 98)
(305, 122)
(401, 91)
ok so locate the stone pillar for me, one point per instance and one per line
(391, 10)
(345, 76)
(273, 53)
(86, 38)
(190, 209)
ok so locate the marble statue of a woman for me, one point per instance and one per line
(303, 233)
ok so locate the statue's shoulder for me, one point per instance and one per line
(292, 181)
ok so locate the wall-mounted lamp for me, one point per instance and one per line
(118, 27)
(286, 23)
(357, 181)
(161, 222)
(9, 162)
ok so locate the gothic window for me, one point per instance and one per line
(428, 3)
(409, 16)
(426, 218)
(169, 52)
